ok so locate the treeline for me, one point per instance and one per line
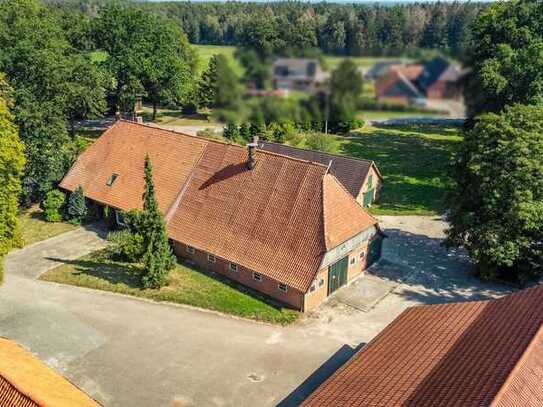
(349, 29)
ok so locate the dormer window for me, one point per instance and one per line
(112, 179)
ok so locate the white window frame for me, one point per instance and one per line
(211, 258)
(281, 289)
(233, 267)
(190, 249)
(119, 218)
(257, 276)
(321, 282)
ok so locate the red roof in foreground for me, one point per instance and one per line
(27, 382)
(278, 219)
(484, 353)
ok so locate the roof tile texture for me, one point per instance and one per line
(122, 151)
(26, 382)
(278, 219)
(461, 354)
(351, 172)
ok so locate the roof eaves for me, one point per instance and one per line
(525, 355)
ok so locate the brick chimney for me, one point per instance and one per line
(251, 150)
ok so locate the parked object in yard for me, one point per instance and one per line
(283, 226)
(470, 354)
(304, 74)
(27, 382)
(360, 177)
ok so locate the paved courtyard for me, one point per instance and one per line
(126, 351)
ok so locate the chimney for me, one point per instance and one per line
(251, 149)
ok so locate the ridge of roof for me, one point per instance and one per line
(209, 140)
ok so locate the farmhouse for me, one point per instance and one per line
(470, 354)
(414, 83)
(27, 382)
(303, 74)
(361, 178)
(281, 225)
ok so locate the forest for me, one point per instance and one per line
(295, 27)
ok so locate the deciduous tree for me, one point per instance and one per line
(496, 207)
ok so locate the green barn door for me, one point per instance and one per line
(337, 274)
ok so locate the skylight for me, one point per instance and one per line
(112, 179)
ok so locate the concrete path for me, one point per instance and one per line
(130, 352)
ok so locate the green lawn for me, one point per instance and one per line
(414, 161)
(186, 286)
(205, 52)
(35, 229)
(173, 117)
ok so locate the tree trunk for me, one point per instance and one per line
(154, 109)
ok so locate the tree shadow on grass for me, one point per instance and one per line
(107, 270)
(415, 169)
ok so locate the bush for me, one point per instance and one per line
(77, 207)
(52, 205)
(343, 127)
(126, 246)
(320, 142)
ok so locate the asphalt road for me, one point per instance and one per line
(131, 352)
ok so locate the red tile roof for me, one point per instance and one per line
(278, 219)
(462, 354)
(27, 382)
(351, 172)
(121, 150)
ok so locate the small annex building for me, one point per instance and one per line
(287, 227)
(25, 381)
(469, 354)
(361, 178)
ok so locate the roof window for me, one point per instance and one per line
(112, 179)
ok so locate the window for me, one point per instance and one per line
(233, 267)
(353, 260)
(190, 250)
(211, 258)
(362, 255)
(370, 181)
(321, 282)
(257, 276)
(282, 287)
(119, 218)
(112, 179)
(312, 288)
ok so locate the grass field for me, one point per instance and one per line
(205, 52)
(186, 286)
(35, 229)
(413, 160)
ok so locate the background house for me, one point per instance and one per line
(286, 228)
(412, 84)
(304, 74)
(469, 354)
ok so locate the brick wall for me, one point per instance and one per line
(355, 268)
(268, 286)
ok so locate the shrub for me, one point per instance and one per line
(126, 245)
(77, 207)
(52, 205)
(231, 131)
(320, 142)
